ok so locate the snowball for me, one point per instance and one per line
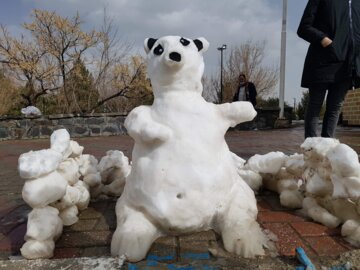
(72, 197)
(339, 187)
(115, 188)
(76, 149)
(351, 231)
(69, 169)
(352, 185)
(317, 147)
(92, 179)
(253, 179)
(44, 190)
(87, 164)
(84, 198)
(315, 184)
(97, 190)
(113, 166)
(69, 215)
(349, 227)
(33, 249)
(270, 182)
(287, 184)
(294, 164)
(344, 161)
(344, 209)
(44, 224)
(268, 163)
(284, 174)
(35, 164)
(291, 198)
(60, 142)
(319, 214)
(31, 110)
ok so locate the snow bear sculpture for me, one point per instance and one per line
(183, 177)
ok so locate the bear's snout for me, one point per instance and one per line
(175, 56)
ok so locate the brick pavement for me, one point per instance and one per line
(91, 236)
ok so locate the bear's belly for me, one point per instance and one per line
(182, 193)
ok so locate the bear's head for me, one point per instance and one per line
(175, 63)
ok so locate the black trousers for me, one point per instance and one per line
(336, 93)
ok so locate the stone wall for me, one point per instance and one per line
(105, 124)
(266, 118)
(78, 126)
(351, 108)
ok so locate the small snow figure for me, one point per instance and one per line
(30, 110)
(183, 177)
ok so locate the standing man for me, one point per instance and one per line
(246, 91)
(332, 63)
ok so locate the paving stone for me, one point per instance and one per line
(340, 240)
(164, 249)
(6, 205)
(105, 223)
(98, 251)
(262, 205)
(325, 246)
(194, 250)
(288, 239)
(14, 240)
(90, 213)
(271, 216)
(314, 229)
(274, 202)
(14, 218)
(82, 225)
(60, 253)
(84, 239)
(200, 236)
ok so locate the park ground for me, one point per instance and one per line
(86, 244)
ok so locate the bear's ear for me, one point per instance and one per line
(202, 44)
(149, 43)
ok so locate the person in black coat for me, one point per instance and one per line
(246, 91)
(332, 63)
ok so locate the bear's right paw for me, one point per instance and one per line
(156, 132)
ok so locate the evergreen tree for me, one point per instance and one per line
(81, 84)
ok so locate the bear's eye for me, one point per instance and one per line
(184, 41)
(158, 50)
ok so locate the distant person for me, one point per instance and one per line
(246, 91)
(332, 63)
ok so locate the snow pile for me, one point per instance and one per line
(57, 185)
(324, 181)
(30, 110)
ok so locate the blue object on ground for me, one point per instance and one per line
(152, 257)
(304, 259)
(196, 256)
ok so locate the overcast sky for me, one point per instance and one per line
(228, 22)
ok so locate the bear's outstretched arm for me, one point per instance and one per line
(142, 127)
(237, 112)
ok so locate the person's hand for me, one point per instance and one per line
(326, 42)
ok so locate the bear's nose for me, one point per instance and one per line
(175, 56)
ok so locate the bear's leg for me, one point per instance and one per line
(134, 233)
(238, 227)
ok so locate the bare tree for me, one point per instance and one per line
(63, 39)
(130, 86)
(58, 54)
(247, 58)
(29, 64)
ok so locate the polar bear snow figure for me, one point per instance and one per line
(183, 176)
